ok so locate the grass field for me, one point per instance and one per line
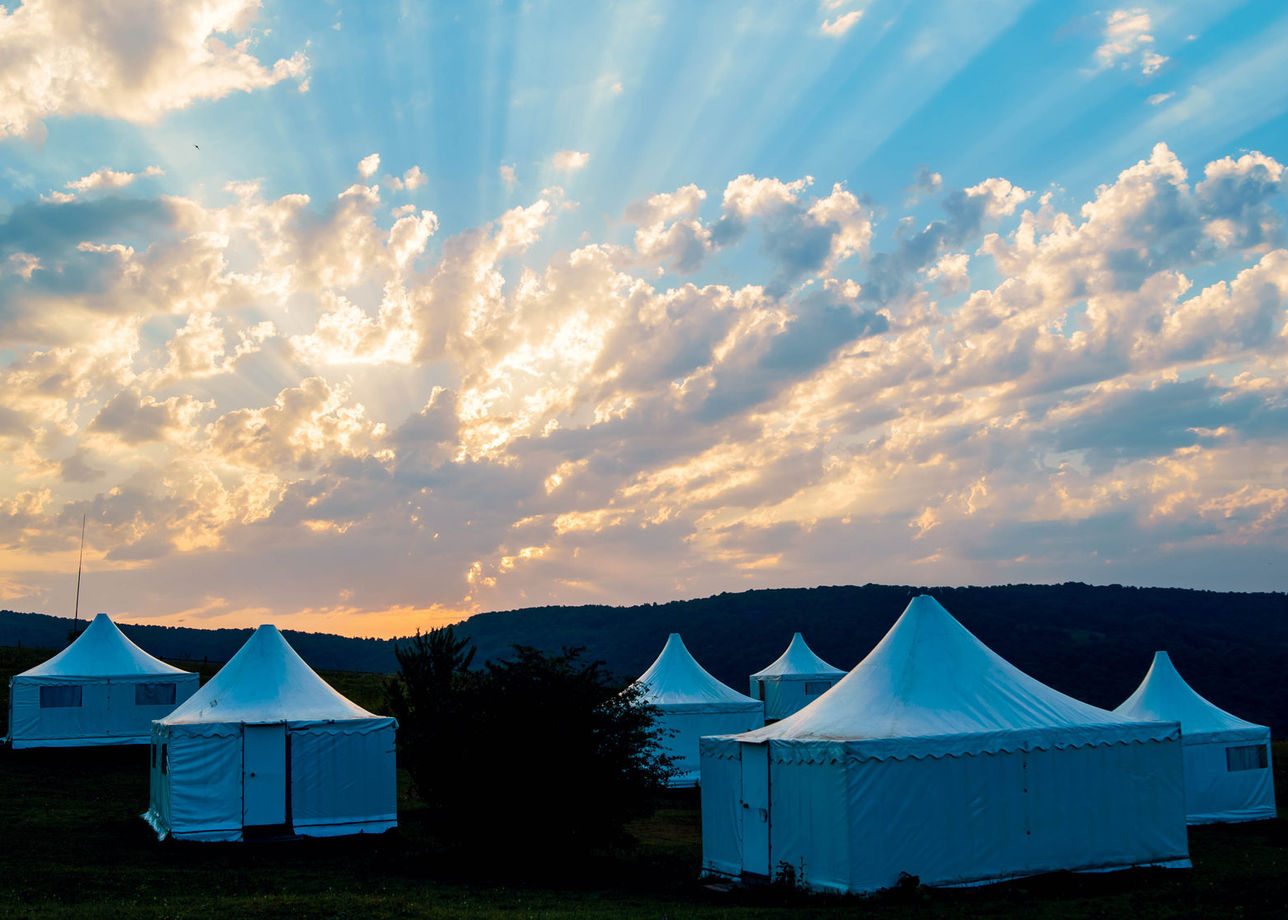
(72, 844)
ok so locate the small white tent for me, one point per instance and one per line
(101, 689)
(1227, 760)
(796, 678)
(937, 758)
(269, 745)
(691, 703)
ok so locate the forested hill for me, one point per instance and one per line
(1094, 643)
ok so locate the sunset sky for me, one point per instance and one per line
(361, 317)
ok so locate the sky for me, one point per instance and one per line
(366, 317)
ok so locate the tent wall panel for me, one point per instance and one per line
(685, 726)
(786, 695)
(721, 807)
(205, 783)
(948, 819)
(995, 816)
(1107, 805)
(108, 712)
(342, 778)
(1215, 793)
(814, 843)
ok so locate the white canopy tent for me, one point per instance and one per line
(102, 689)
(1228, 776)
(797, 677)
(937, 758)
(267, 744)
(691, 703)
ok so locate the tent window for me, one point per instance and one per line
(59, 697)
(1246, 757)
(165, 761)
(154, 694)
(816, 687)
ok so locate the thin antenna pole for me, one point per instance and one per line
(81, 559)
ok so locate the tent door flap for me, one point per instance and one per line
(264, 775)
(755, 809)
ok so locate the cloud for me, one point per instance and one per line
(1128, 42)
(838, 26)
(135, 418)
(368, 165)
(668, 231)
(508, 178)
(133, 62)
(1159, 98)
(412, 179)
(303, 426)
(569, 160)
(514, 421)
(100, 179)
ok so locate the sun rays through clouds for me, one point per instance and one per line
(362, 399)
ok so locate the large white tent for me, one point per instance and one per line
(797, 677)
(691, 703)
(101, 689)
(937, 758)
(1228, 776)
(269, 746)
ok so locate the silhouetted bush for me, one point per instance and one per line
(538, 757)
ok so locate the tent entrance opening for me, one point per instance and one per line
(264, 775)
(755, 809)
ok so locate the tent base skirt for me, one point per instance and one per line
(95, 741)
(1266, 813)
(375, 825)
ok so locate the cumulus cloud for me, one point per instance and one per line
(135, 61)
(368, 165)
(569, 160)
(508, 178)
(136, 418)
(514, 423)
(305, 425)
(1127, 42)
(410, 180)
(668, 230)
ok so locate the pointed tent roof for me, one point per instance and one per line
(931, 688)
(676, 679)
(266, 681)
(102, 650)
(1164, 695)
(798, 661)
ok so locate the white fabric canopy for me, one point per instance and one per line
(267, 743)
(100, 690)
(691, 703)
(796, 678)
(1228, 771)
(938, 758)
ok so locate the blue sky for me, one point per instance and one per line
(364, 317)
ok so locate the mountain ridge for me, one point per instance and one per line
(1091, 642)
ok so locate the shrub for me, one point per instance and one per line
(538, 756)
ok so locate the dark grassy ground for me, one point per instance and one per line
(72, 845)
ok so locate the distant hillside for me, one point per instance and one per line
(1092, 642)
(321, 650)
